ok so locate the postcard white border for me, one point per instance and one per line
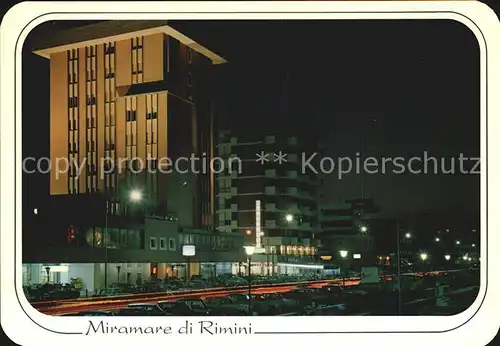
(476, 16)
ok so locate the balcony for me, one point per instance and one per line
(293, 191)
(270, 190)
(271, 207)
(292, 174)
(306, 211)
(305, 226)
(292, 158)
(270, 139)
(270, 224)
(270, 173)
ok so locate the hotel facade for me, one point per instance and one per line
(127, 100)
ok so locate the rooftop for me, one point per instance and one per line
(117, 30)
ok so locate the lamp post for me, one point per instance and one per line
(249, 250)
(343, 255)
(398, 259)
(135, 196)
(47, 270)
(289, 219)
(423, 257)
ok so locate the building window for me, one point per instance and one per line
(109, 48)
(73, 101)
(131, 115)
(91, 100)
(171, 244)
(137, 55)
(163, 244)
(152, 243)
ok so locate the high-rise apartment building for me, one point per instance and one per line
(125, 96)
(270, 201)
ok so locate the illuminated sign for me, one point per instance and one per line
(356, 256)
(188, 250)
(258, 229)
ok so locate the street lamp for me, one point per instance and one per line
(343, 255)
(408, 235)
(249, 250)
(363, 229)
(423, 256)
(437, 239)
(289, 217)
(134, 196)
(458, 242)
(447, 257)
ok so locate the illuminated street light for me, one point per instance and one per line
(343, 254)
(437, 239)
(363, 229)
(248, 232)
(473, 245)
(465, 257)
(469, 259)
(249, 250)
(289, 217)
(447, 257)
(408, 235)
(458, 242)
(423, 256)
(135, 195)
(35, 211)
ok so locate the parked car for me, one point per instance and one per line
(132, 311)
(111, 292)
(224, 306)
(236, 281)
(95, 313)
(184, 307)
(329, 310)
(151, 309)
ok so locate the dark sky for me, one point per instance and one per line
(407, 86)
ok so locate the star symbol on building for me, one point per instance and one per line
(280, 157)
(262, 157)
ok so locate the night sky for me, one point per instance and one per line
(406, 86)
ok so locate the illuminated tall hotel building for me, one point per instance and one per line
(126, 95)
